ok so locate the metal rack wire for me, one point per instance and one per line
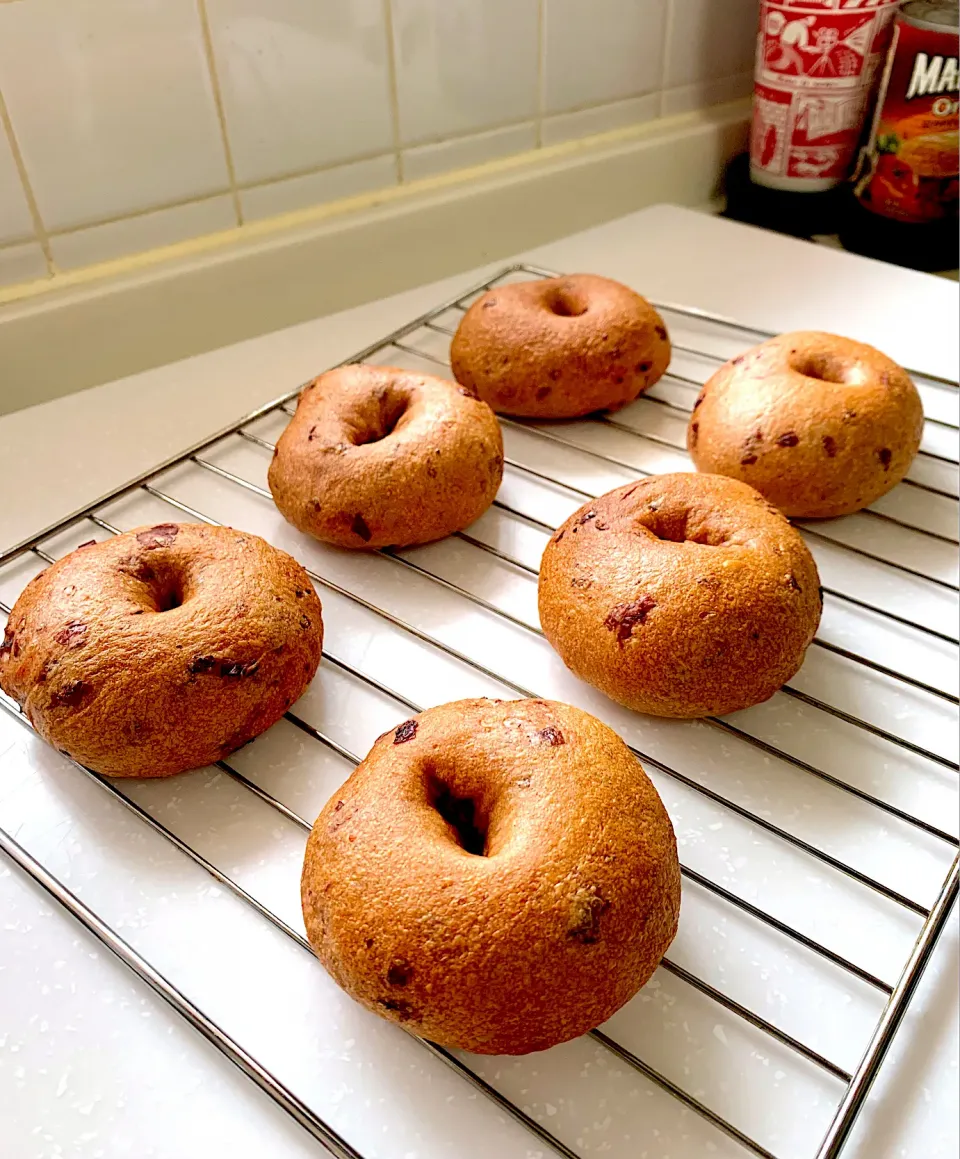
(853, 1084)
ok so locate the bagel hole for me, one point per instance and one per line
(166, 593)
(392, 410)
(566, 305)
(462, 814)
(169, 599)
(677, 527)
(161, 588)
(826, 367)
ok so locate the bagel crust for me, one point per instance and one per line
(497, 876)
(560, 347)
(161, 649)
(820, 425)
(683, 595)
(378, 457)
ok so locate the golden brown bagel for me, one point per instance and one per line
(560, 347)
(683, 595)
(497, 876)
(820, 425)
(378, 457)
(162, 649)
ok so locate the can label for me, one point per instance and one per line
(817, 63)
(908, 169)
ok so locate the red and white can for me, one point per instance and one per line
(817, 66)
(909, 168)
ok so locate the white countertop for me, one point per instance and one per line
(93, 1064)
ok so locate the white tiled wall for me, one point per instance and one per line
(131, 124)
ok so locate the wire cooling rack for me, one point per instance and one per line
(817, 832)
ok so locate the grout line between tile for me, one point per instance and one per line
(218, 104)
(16, 242)
(453, 138)
(541, 71)
(243, 186)
(501, 127)
(293, 175)
(213, 194)
(39, 228)
(133, 214)
(590, 106)
(394, 92)
(279, 179)
(664, 58)
(323, 211)
(717, 80)
(448, 138)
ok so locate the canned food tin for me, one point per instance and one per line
(908, 169)
(816, 68)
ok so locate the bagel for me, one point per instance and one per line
(497, 876)
(683, 595)
(560, 347)
(378, 457)
(820, 425)
(161, 649)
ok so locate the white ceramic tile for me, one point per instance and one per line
(463, 65)
(115, 239)
(15, 221)
(304, 83)
(710, 39)
(600, 119)
(112, 105)
(462, 152)
(319, 188)
(705, 93)
(22, 263)
(601, 51)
